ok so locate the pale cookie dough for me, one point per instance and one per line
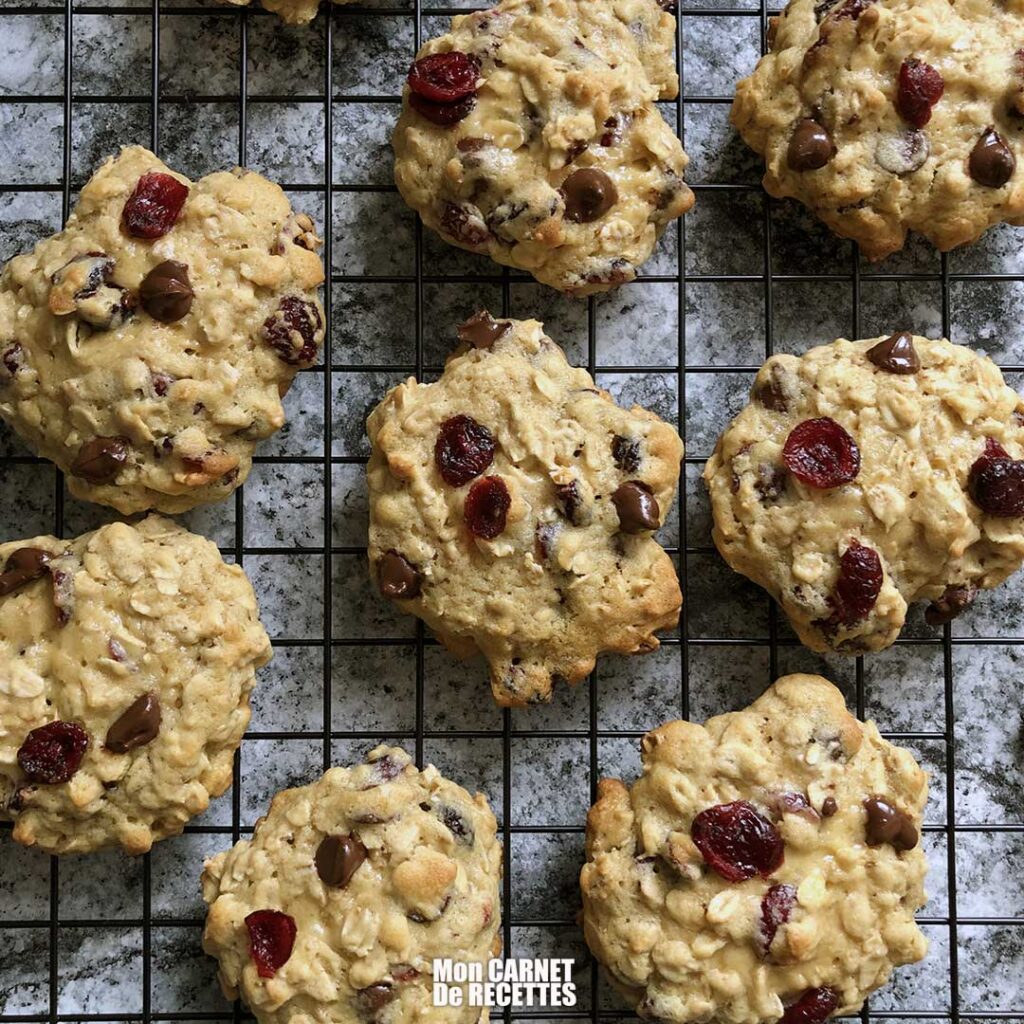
(892, 116)
(348, 890)
(563, 167)
(126, 661)
(512, 507)
(815, 932)
(845, 561)
(149, 384)
(293, 12)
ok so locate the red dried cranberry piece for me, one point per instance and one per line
(996, 482)
(737, 842)
(444, 77)
(814, 1006)
(444, 114)
(858, 585)
(776, 906)
(487, 506)
(463, 450)
(292, 331)
(821, 453)
(53, 753)
(271, 938)
(153, 208)
(920, 88)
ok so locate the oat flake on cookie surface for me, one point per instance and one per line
(145, 348)
(513, 506)
(348, 890)
(530, 133)
(126, 661)
(765, 866)
(866, 475)
(889, 116)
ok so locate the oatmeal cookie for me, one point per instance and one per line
(348, 890)
(146, 347)
(530, 133)
(765, 866)
(867, 475)
(889, 116)
(512, 507)
(126, 661)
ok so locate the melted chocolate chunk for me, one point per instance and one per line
(23, 566)
(810, 146)
(896, 354)
(166, 293)
(589, 194)
(637, 507)
(137, 726)
(338, 858)
(954, 600)
(887, 824)
(571, 504)
(398, 578)
(626, 453)
(481, 330)
(991, 162)
(101, 459)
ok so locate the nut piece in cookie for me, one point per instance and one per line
(513, 506)
(867, 475)
(766, 866)
(126, 661)
(530, 133)
(890, 116)
(145, 348)
(348, 890)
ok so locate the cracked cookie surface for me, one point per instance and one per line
(889, 116)
(145, 348)
(126, 661)
(379, 868)
(931, 427)
(819, 925)
(530, 133)
(512, 507)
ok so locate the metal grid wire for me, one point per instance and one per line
(329, 24)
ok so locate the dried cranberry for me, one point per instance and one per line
(776, 906)
(13, 358)
(814, 1006)
(154, 206)
(444, 77)
(53, 753)
(487, 506)
(737, 842)
(996, 482)
(920, 88)
(271, 938)
(443, 114)
(821, 453)
(463, 450)
(858, 584)
(292, 332)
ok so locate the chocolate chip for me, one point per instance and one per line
(457, 824)
(771, 392)
(637, 507)
(397, 577)
(589, 194)
(137, 726)
(771, 482)
(886, 824)
(954, 600)
(23, 566)
(626, 453)
(13, 358)
(101, 459)
(810, 146)
(166, 292)
(991, 162)
(337, 860)
(375, 997)
(896, 354)
(571, 504)
(829, 807)
(481, 330)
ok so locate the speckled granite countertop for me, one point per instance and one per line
(713, 301)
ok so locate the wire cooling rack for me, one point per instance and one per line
(50, 945)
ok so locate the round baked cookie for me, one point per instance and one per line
(126, 661)
(347, 892)
(765, 866)
(146, 347)
(530, 133)
(889, 116)
(513, 506)
(867, 475)
(292, 12)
